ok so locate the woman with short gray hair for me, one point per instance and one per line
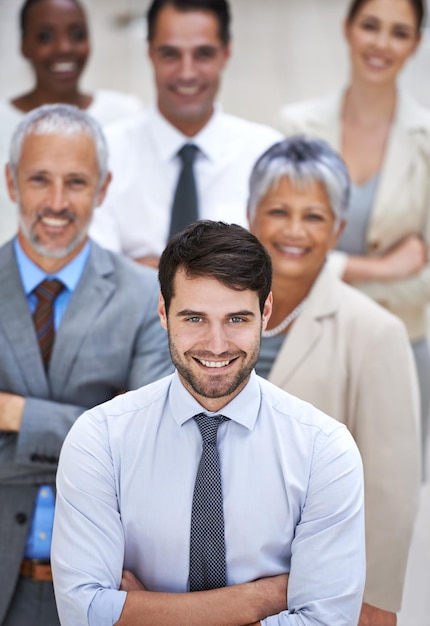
(334, 347)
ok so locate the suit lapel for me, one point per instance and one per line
(325, 122)
(18, 325)
(395, 172)
(306, 330)
(94, 290)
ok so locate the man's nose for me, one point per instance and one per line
(217, 339)
(58, 199)
(187, 70)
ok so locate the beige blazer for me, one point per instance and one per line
(402, 203)
(352, 359)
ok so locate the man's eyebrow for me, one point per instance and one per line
(190, 313)
(244, 313)
(166, 48)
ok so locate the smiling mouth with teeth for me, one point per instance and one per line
(214, 364)
(53, 221)
(187, 91)
(64, 66)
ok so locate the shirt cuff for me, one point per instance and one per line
(106, 607)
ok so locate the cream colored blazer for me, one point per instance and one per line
(352, 359)
(402, 203)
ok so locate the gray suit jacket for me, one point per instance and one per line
(109, 341)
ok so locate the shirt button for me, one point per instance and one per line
(44, 493)
(42, 536)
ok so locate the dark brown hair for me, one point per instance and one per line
(220, 9)
(417, 6)
(226, 252)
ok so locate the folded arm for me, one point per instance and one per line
(237, 605)
(404, 260)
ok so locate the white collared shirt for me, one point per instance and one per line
(292, 492)
(135, 217)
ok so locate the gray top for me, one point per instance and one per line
(270, 347)
(353, 238)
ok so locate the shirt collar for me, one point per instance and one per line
(31, 274)
(243, 409)
(168, 140)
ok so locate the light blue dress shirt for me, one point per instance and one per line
(39, 538)
(292, 490)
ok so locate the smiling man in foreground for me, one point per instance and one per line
(210, 497)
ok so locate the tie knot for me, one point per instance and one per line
(187, 153)
(208, 426)
(49, 289)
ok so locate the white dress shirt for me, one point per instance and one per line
(135, 217)
(292, 490)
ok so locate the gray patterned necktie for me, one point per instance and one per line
(185, 205)
(207, 540)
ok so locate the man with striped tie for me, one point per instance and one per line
(78, 325)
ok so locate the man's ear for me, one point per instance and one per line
(267, 310)
(10, 182)
(162, 311)
(103, 189)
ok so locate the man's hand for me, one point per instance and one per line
(372, 616)
(129, 582)
(11, 410)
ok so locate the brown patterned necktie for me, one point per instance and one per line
(43, 316)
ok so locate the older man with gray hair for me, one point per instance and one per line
(78, 325)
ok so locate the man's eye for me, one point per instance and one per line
(236, 320)
(169, 54)
(194, 319)
(205, 53)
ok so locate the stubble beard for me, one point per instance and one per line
(214, 386)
